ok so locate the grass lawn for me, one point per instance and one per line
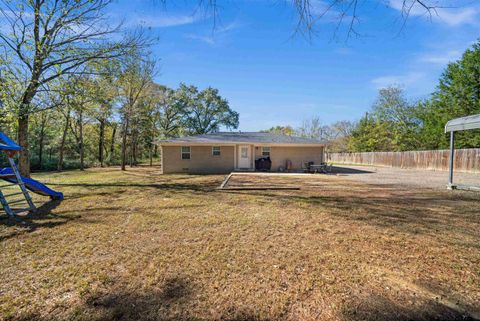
(142, 246)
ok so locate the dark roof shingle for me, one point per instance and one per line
(242, 137)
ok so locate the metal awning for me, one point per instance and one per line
(463, 123)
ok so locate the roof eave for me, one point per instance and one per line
(229, 143)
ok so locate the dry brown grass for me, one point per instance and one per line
(141, 246)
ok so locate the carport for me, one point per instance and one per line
(454, 125)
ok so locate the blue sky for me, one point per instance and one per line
(272, 77)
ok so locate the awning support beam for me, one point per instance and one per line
(452, 160)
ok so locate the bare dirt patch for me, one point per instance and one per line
(142, 246)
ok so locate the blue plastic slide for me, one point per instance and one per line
(31, 184)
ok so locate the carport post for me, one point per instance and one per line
(452, 158)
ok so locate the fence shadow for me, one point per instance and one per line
(349, 170)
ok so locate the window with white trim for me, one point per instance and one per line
(266, 151)
(216, 150)
(186, 152)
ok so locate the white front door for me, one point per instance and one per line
(244, 156)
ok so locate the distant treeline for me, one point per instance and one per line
(76, 91)
(397, 124)
(98, 121)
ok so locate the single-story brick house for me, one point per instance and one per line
(224, 152)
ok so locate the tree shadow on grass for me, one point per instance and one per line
(173, 300)
(204, 187)
(176, 300)
(380, 308)
(41, 218)
(174, 294)
(406, 211)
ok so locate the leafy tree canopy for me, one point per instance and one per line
(206, 111)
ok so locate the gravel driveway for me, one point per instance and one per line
(403, 177)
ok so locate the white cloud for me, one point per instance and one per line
(442, 58)
(440, 54)
(205, 39)
(344, 51)
(406, 80)
(454, 16)
(163, 21)
(459, 16)
(229, 27)
(216, 34)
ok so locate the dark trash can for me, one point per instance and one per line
(263, 164)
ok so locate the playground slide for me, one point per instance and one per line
(31, 184)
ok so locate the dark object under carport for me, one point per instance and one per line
(454, 125)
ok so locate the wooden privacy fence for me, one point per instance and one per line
(466, 160)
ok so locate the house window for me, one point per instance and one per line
(266, 151)
(186, 153)
(216, 150)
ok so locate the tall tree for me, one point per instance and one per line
(104, 94)
(46, 39)
(172, 108)
(206, 110)
(281, 130)
(40, 128)
(341, 132)
(392, 108)
(81, 106)
(151, 108)
(313, 128)
(370, 135)
(457, 95)
(137, 74)
(65, 97)
(392, 125)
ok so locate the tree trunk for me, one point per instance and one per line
(112, 144)
(134, 150)
(80, 134)
(101, 141)
(130, 149)
(124, 143)
(151, 154)
(24, 159)
(41, 140)
(62, 143)
(131, 155)
(23, 118)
